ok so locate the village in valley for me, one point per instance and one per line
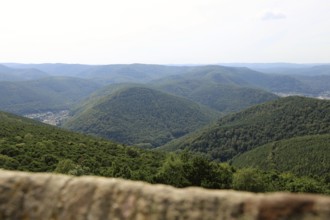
(52, 118)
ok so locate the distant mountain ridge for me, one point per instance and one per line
(225, 98)
(223, 88)
(241, 76)
(46, 94)
(276, 77)
(11, 74)
(112, 73)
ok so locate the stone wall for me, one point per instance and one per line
(46, 196)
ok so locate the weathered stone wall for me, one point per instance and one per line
(46, 196)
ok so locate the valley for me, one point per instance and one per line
(51, 118)
(121, 109)
(211, 126)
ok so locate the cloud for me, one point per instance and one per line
(272, 15)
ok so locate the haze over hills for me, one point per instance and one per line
(288, 82)
(46, 94)
(55, 69)
(241, 76)
(276, 120)
(225, 98)
(300, 70)
(132, 73)
(216, 95)
(10, 74)
(115, 73)
(319, 85)
(244, 77)
(140, 116)
(311, 69)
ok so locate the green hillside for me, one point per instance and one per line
(32, 146)
(242, 76)
(276, 120)
(306, 155)
(140, 116)
(222, 97)
(52, 93)
(29, 145)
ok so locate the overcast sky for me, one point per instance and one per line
(164, 31)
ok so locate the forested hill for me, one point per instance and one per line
(245, 77)
(306, 155)
(225, 98)
(241, 76)
(51, 93)
(280, 119)
(29, 145)
(140, 116)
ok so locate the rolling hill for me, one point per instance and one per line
(241, 76)
(306, 155)
(221, 97)
(132, 73)
(11, 74)
(244, 77)
(107, 74)
(288, 81)
(302, 70)
(47, 94)
(265, 123)
(141, 116)
(29, 145)
(319, 85)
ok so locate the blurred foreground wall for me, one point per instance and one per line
(47, 196)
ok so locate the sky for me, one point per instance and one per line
(164, 31)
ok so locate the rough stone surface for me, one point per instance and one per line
(49, 196)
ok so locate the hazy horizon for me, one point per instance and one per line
(195, 32)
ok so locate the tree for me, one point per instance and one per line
(173, 172)
(249, 179)
(67, 166)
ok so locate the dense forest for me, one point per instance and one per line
(276, 120)
(141, 116)
(32, 146)
(307, 155)
(208, 115)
